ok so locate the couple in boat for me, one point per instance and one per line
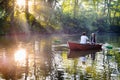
(84, 39)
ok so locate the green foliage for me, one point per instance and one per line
(67, 7)
(4, 25)
(69, 16)
(117, 56)
(94, 13)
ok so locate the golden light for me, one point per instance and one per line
(20, 3)
(20, 55)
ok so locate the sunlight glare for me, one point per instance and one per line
(20, 3)
(20, 55)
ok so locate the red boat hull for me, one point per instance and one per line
(78, 46)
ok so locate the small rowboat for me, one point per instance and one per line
(78, 46)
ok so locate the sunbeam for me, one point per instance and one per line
(20, 2)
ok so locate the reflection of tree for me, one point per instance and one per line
(44, 64)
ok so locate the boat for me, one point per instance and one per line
(88, 46)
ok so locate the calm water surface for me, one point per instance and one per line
(36, 58)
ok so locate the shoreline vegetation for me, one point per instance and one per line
(55, 33)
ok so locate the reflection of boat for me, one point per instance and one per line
(77, 54)
(78, 46)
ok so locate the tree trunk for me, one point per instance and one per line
(109, 11)
(12, 18)
(75, 8)
(26, 10)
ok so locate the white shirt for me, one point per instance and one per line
(83, 39)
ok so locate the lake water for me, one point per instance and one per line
(42, 61)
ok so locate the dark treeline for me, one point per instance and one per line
(59, 16)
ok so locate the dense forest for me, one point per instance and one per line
(59, 16)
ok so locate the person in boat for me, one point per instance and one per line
(93, 38)
(84, 39)
(93, 41)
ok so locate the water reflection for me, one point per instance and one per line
(82, 55)
(8, 67)
(77, 54)
(42, 62)
(37, 64)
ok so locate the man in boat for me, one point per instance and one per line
(84, 39)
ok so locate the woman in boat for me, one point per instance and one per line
(93, 38)
(93, 41)
(84, 38)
